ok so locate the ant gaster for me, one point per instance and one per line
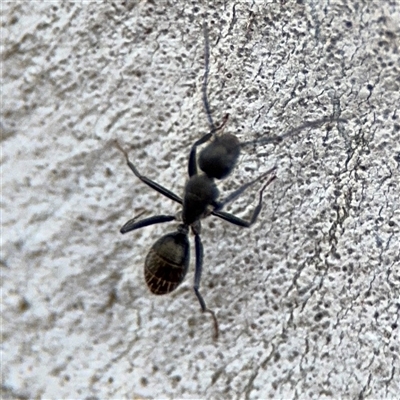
(167, 262)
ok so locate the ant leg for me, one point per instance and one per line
(241, 189)
(197, 277)
(233, 219)
(132, 224)
(155, 185)
(160, 189)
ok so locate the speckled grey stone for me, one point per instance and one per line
(307, 299)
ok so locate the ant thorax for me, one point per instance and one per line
(200, 192)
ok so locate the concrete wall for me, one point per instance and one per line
(307, 299)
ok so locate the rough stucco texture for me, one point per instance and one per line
(307, 299)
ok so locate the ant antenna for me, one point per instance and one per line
(205, 77)
(119, 147)
(221, 125)
(216, 326)
(294, 131)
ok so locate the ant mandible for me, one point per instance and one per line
(168, 259)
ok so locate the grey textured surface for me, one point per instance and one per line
(307, 299)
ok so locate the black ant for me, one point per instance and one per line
(167, 262)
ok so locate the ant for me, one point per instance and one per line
(168, 259)
(167, 262)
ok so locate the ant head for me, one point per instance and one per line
(218, 158)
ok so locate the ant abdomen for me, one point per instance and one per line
(167, 263)
(218, 159)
